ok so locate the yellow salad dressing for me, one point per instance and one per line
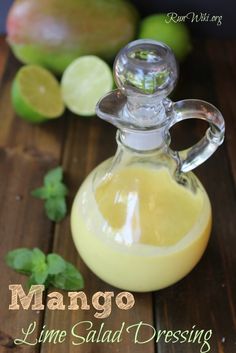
(144, 231)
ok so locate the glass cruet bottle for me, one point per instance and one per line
(141, 220)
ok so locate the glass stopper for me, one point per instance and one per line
(146, 67)
(145, 72)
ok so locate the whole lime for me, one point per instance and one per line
(175, 35)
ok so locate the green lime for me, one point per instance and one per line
(175, 35)
(84, 82)
(36, 94)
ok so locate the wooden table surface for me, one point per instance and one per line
(205, 298)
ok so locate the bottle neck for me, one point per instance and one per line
(145, 111)
(142, 140)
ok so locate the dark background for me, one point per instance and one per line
(227, 9)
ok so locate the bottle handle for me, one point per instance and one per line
(192, 157)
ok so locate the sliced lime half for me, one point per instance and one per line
(36, 94)
(84, 82)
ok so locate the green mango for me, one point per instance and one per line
(52, 33)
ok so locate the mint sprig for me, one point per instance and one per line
(49, 269)
(53, 192)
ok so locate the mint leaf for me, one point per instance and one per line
(39, 267)
(20, 260)
(57, 189)
(38, 257)
(41, 193)
(56, 264)
(39, 275)
(69, 279)
(54, 193)
(55, 175)
(56, 208)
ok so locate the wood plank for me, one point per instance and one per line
(206, 297)
(26, 153)
(87, 144)
(4, 50)
(224, 76)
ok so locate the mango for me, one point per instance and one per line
(52, 33)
